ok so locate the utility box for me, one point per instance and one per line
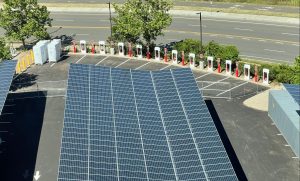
(54, 51)
(40, 54)
(44, 42)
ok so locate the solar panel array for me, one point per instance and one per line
(7, 70)
(139, 125)
(294, 91)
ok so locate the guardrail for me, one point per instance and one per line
(25, 60)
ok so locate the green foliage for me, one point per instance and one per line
(4, 50)
(22, 19)
(188, 46)
(141, 18)
(222, 51)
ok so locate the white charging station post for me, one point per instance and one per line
(175, 56)
(157, 53)
(210, 63)
(82, 46)
(266, 76)
(192, 60)
(139, 52)
(121, 48)
(247, 72)
(228, 67)
(102, 47)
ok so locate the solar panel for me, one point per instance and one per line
(294, 91)
(7, 70)
(138, 125)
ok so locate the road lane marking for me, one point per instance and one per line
(80, 27)
(241, 22)
(142, 65)
(81, 59)
(291, 34)
(123, 63)
(214, 83)
(82, 34)
(265, 59)
(231, 88)
(204, 75)
(64, 20)
(235, 36)
(243, 29)
(102, 60)
(278, 51)
(197, 25)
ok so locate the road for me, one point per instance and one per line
(256, 40)
(208, 4)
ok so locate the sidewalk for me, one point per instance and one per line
(260, 101)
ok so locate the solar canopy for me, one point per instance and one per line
(7, 70)
(138, 125)
(294, 91)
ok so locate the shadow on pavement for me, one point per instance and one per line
(229, 149)
(24, 113)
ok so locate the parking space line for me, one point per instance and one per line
(123, 63)
(81, 59)
(204, 75)
(214, 83)
(165, 67)
(142, 65)
(102, 60)
(52, 65)
(232, 88)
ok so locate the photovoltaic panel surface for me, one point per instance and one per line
(138, 125)
(294, 91)
(7, 70)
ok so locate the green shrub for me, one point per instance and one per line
(4, 50)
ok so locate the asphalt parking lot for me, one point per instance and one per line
(39, 98)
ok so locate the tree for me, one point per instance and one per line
(4, 50)
(141, 18)
(22, 19)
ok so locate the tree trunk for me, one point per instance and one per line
(23, 42)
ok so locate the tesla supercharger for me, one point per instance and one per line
(192, 60)
(210, 63)
(102, 47)
(228, 67)
(266, 76)
(82, 46)
(121, 48)
(157, 53)
(174, 56)
(247, 72)
(139, 52)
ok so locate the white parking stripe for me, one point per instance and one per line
(102, 60)
(122, 63)
(142, 65)
(204, 75)
(232, 88)
(52, 65)
(81, 59)
(165, 67)
(214, 83)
